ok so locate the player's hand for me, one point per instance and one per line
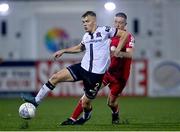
(111, 53)
(115, 51)
(57, 54)
(118, 53)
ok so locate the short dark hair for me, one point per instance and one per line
(121, 14)
(89, 13)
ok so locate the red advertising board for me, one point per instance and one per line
(136, 86)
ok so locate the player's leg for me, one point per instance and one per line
(84, 105)
(61, 76)
(92, 85)
(78, 110)
(115, 89)
(87, 109)
(113, 104)
(112, 99)
(76, 113)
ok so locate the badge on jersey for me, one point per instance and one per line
(107, 28)
(98, 34)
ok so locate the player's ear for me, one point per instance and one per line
(94, 20)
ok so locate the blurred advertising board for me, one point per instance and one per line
(16, 77)
(136, 86)
(164, 78)
(29, 76)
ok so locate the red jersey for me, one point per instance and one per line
(120, 67)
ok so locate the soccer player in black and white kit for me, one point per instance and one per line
(91, 70)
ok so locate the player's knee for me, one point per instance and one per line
(86, 104)
(111, 101)
(54, 79)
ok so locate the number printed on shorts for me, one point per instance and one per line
(94, 91)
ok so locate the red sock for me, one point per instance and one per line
(77, 111)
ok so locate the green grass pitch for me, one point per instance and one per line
(137, 113)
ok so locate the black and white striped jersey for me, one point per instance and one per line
(97, 55)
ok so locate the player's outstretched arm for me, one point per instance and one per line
(129, 50)
(124, 37)
(75, 49)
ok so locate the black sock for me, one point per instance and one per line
(50, 85)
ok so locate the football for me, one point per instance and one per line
(27, 111)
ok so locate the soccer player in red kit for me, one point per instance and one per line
(118, 73)
(115, 77)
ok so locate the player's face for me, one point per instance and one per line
(89, 23)
(119, 23)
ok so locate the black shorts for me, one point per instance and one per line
(92, 81)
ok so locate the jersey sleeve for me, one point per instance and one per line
(110, 31)
(131, 42)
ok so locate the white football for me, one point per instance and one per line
(27, 111)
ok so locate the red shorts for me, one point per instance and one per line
(116, 85)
